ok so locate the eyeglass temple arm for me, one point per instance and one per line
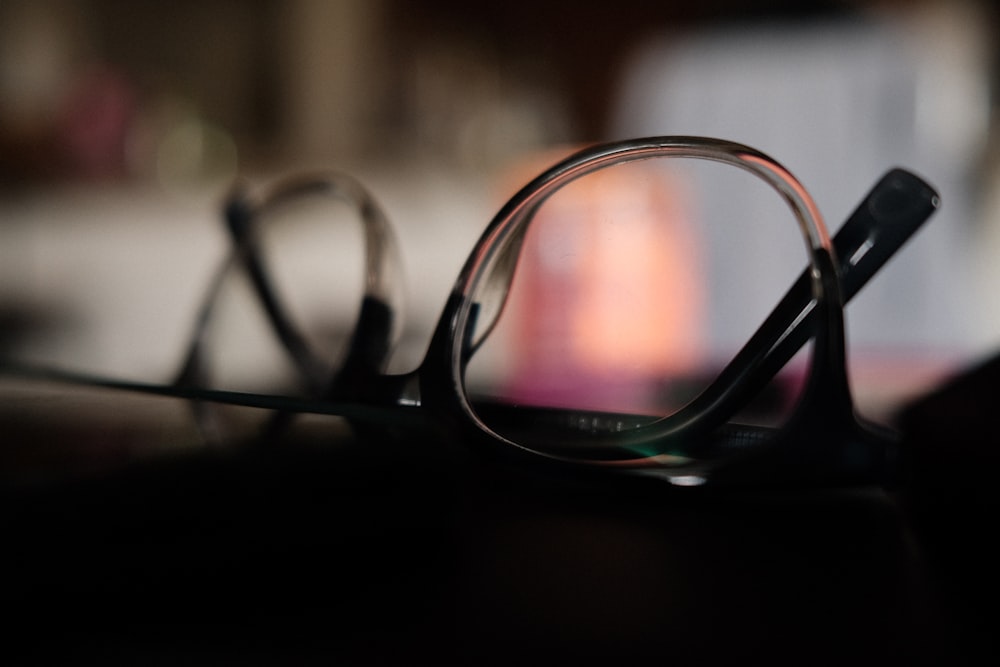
(377, 319)
(239, 220)
(887, 217)
(239, 217)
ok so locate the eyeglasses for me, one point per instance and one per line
(537, 357)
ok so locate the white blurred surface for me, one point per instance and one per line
(122, 269)
(839, 104)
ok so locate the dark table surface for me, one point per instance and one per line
(127, 540)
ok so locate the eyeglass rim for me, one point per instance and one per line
(447, 349)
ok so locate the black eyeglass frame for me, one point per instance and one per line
(824, 438)
(823, 442)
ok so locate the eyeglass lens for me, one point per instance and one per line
(636, 285)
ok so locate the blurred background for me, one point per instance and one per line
(123, 125)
